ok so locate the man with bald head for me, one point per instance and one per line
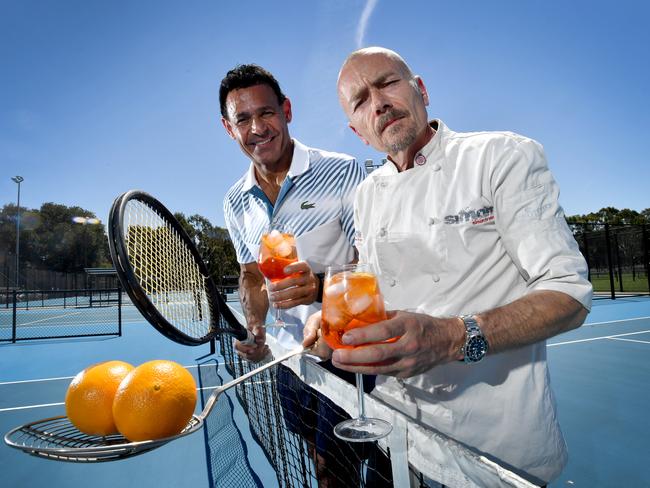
(466, 230)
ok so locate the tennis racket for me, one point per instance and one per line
(164, 275)
(57, 439)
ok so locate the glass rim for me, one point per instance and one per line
(340, 268)
(279, 226)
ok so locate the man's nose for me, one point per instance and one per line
(258, 126)
(380, 103)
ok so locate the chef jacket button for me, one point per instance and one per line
(383, 184)
(436, 278)
(436, 167)
(392, 283)
(382, 232)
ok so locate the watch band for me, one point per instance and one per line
(471, 325)
(476, 345)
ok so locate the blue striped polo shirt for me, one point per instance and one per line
(318, 190)
(316, 201)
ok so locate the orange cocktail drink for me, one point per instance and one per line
(351, 299)
(277, 250)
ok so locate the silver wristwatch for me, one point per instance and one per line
(476, 345)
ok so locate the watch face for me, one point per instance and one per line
(476, 349)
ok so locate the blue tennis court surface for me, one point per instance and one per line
(34, 377)
(600, 374)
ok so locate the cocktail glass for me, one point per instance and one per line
(351, 299)
(277, 250)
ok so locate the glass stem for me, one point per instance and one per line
(362, 408)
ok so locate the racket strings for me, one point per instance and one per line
(166, 270)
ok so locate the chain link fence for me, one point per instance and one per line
(617, 256)
(47, 314)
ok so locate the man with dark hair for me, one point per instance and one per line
(244, 76)
(311, 191)
(466, 229)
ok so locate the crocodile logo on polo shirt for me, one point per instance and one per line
(306, 205)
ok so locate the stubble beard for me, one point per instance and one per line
(401, 141)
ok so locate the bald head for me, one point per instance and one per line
(377, 51)
(383, 100)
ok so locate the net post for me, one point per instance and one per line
(585, 243)
(609, 262)
(119, 311)
(646, 262)
(13, 324)
(619, 271)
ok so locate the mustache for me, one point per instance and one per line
(389, 116)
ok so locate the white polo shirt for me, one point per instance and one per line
(316, 201)
(475, 224)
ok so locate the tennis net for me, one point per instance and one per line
(412, 455)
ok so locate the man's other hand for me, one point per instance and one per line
(312, 337)
(299, 288)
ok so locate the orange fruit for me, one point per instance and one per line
(155, 400)
(89, 399)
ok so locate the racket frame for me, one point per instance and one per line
(130, 283)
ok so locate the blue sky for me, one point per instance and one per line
(98, 97)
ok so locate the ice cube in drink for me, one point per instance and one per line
(350, 300)
(277, 250)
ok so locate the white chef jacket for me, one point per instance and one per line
(474, 225)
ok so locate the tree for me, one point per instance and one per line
(50, 240)
(613, 216)
(214, 245)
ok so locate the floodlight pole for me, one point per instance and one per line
(18, 180)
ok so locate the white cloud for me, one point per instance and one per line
(363, 22)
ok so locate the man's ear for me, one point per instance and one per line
(286, 109)
(228, 126)
(363, 139)
(423, 90)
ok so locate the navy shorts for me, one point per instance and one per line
(314, 416)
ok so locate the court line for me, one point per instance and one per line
(615, 321)
(70, 377)
(42, 405)
(49, 318)
(597, 338)
(630, 340)
(11, 409)
(36, 381)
